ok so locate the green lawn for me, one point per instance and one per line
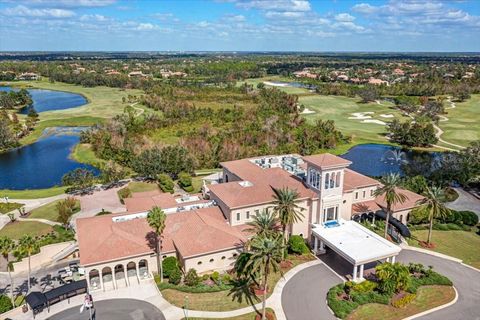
(247, 316)
(459, 244)
(17, 229)
(428, 297)
(83, 153)
(340, 108)
(32, 194)
(222, 300)
(463, 124)
(137, 186)
(49, 211)
(7, 207)
(290, 90)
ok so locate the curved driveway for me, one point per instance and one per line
(117, 309)
(304, 296)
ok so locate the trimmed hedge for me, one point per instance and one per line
(175, 277)
(169, 265)
(296, 244)
(165, 183)
(124, 193)
(185, 181)
(200, 288)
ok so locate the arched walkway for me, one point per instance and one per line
(120, 279)
(132, 273)
(143, 269)
(107, 278)
(94, 277)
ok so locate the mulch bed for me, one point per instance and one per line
(268, 315)
(426, 245)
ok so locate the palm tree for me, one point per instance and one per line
(6, 247)
(265, 256)
(156, 219)
(286, 208)
(389, 189)
(28, 245)
(263, 224)
(434, 206)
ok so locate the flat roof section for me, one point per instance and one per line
(355, 243)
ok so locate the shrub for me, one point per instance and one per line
(370, 297)
(365, 286)
(185, 181)
(226, 278)
(392, 277)
(191, 278)
(124, 193)
(453, 226)
(165, 183)
(403, 301)
(440, 227)
(215, 276)
(169, 264)
(296, 244)
(341, 308)
(175, 277)
(5, 304)
(468, 217)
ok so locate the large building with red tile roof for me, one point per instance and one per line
(208, 233)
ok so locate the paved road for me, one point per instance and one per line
(118, 309)
(465, 201)
(304, 296)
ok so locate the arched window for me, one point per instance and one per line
(223, 257)
(337, 181)
(226, 178)
(401, 218)
(199, 262)
(327, 178)
(332, 180)
(319, 178)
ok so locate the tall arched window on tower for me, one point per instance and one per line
(337, 181)
(332, 180)
(327, 178)
(319, 178)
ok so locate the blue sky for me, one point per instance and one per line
(240, 25)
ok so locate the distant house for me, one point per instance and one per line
(398, 72)
(137, 74)
(169, 74)
(305, 74)
(112, 72)
(343, 77)
(28, 76)
(376, 81)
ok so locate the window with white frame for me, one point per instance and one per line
(248, 214)
(238, 216)
(337, 180)
(327, 182)
(330, 213)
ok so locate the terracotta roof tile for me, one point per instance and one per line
(411, 201)
(327, 160)
(191, 233)
(353, 180)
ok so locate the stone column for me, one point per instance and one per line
(137, 266)
(393, 259)
(125, 272)
(114, 278)
(100, 274)
(315, 245)
(354, 274)
(361, 271)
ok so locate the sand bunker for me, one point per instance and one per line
(307, 111)
(374, 121)
(387, 115)
(361, 115)
(276, 84)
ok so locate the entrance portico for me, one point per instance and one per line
(354, 243)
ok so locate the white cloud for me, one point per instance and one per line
(22, 11)
(348, 26)
(344, 17)
(93, 17)
(64, 3)
(364, 8)
(146, 26)
(234, 18)
(284, 14)
(274, 5)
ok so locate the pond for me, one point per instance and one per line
(293, 84)
(41, 164)
(48, 100)
(377, 160)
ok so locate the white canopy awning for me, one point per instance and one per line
(354, 242)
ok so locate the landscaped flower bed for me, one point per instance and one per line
(392, 284)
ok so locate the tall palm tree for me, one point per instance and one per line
(434, 206)
(287, 210)
(265, 256)
(156, 219)
(6, 247)
(263, 224)
(389, 189)
(28, 245)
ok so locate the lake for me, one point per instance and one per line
(41, 164)
(380, 159)
(48, 100)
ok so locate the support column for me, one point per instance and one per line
(393, 259)
(125, 272)
(361, 271)
(387, 259)
(101, 280)
(138, 270)
(354, 275)
(114, 278)
(315, 245)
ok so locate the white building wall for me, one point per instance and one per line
(219, 261)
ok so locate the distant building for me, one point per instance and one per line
(305, 74)
(28, 76)
(376, 81)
